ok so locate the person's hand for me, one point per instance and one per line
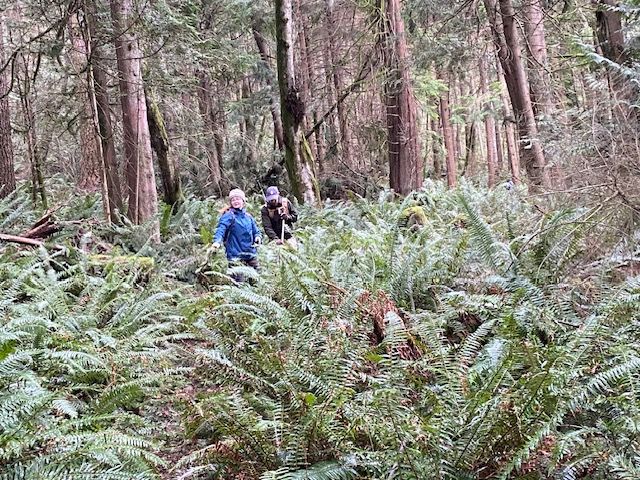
(257, 241)
(279, 242)
(213, 248)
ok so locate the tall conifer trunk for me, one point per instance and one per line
(101, 115)
(539, 78)
(7, 172)
(489, 125)
(405, 162)
(141, 182)
(503, 27)
(273, 103)
(90, 163)
(298, 158)
(160, 144)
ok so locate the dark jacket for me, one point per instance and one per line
(273, 219)
(238, 230)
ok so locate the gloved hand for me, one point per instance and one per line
(257, 241)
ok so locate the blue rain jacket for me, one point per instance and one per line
(238, 230)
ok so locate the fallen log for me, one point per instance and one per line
(44, 227)
(22, 240)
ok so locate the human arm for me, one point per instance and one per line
(267, 225)
(223, 225)
(293, 215)
(257, 235)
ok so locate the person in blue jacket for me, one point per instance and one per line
(238, 231)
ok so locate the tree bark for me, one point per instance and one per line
(489, 125)
(192, 146)
(141, 183)
(306, 81)
(31, 138)
(337, 76)
(539, 78)
(509, 125)
(273, 103)
(436, 127)
(90, 163)
(101, 115)
(505, 36)
(7, 171)
(206, 111)
(499, 149)
(249, 127)
(405, 162)
(609, 32)
(448, 139)
(298, 159)
(611, 40)
(160, 144)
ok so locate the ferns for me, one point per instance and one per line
(506, 356)
(65, 333)
(511, 374)
(319, 471)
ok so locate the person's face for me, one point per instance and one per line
(273, 203)
(237, 202)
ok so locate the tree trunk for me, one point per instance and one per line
(160, 144)
(609, 32)
(539, 78)
(338, 84)
(273, 103)
(192, 145)
(331, 127)
(219, 127)
(436, 127)
(206, 111)
(31, 138)
(306, 79)
(101, 115)
(489, 125)
(249, 126)
(298, 159)
(509, 125)
(506, 40)
(448, 139)
(7, 172)
(90, 163)
(405, 162)
(611, 40)
(141, 182)
(471, 144)
(499, 149)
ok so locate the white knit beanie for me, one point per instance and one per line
(236, 192)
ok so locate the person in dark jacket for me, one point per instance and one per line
(278, 217)
(238, 231)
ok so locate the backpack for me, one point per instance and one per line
(285, 206)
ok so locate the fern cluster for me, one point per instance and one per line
(482, 339)
(80, 351)
(516, 375)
